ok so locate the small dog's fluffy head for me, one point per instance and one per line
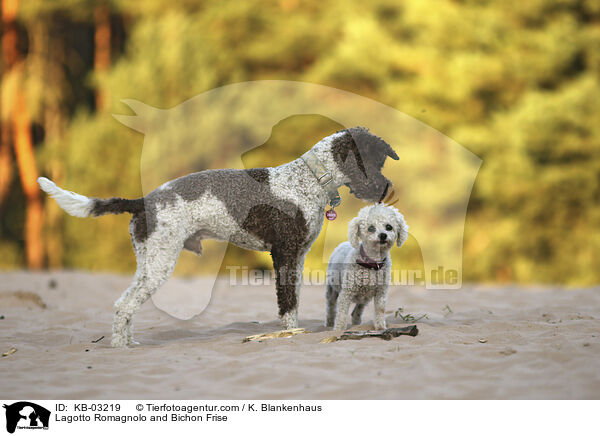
(378, 227)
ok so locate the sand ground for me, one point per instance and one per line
(496, 343)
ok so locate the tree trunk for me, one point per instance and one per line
(9, 57)
(101, 49)
(23, 143)
(6, 165)
(21, 128)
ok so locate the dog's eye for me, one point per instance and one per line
(371, 229)
(389, 228)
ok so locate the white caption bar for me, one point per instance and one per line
(295, 417)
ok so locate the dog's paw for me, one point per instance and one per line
(289, 321)
(119, 342)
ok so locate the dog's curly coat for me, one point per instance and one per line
(359, 276)
(277, 209)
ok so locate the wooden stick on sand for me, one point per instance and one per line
(277, 334)
(386, 334)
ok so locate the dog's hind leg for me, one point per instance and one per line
(331, 296)
(156, 259)
(343, 304)
(122, 324)
(357, 313)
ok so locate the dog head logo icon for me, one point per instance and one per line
(26, 415)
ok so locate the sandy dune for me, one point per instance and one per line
(496, 343)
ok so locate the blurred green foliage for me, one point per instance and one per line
(516, 82)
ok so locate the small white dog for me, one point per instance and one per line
(360, 270)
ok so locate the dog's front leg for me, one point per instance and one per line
(288, 271)
(379, 302)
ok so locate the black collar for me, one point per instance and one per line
(368, 262)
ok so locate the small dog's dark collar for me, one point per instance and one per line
(368, 262)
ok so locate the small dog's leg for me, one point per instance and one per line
(357, 313)
(379, 303)
(343, 305)
(331, 296)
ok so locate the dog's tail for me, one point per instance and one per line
(81, 206)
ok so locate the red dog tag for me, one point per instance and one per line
(331, 214)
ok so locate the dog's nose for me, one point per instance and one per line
(382, 237)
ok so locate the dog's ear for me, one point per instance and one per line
(402, 229)
(354, 232)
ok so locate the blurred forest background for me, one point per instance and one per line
(516, 82)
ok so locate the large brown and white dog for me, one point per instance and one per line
(277, 209)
